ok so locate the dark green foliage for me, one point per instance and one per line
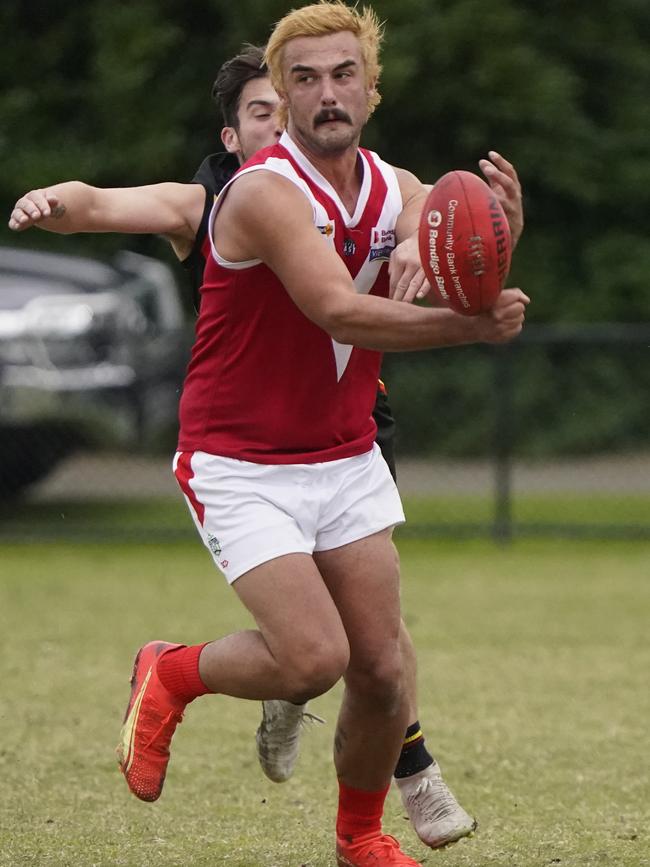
(560, 89)
(119, 94)
(560, 399)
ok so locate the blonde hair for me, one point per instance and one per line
(321, 19)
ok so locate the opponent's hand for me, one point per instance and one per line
(407, 280)
(505, 319)
(33, 207)
(503, 179)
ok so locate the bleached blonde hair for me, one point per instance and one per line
(321, 19)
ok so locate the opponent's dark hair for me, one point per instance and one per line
(233, 76)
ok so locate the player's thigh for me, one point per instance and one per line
(363, 580)
(294, 610)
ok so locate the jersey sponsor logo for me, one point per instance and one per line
(382, 243)
(349, 247)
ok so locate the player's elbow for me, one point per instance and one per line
(341, 332)
(338, 318)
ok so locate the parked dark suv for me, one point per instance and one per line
(91, 353)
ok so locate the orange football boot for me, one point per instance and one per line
(149, 723)
(371, 850)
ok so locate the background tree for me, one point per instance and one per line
(119, 94)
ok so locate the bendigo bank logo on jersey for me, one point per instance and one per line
(382, 243)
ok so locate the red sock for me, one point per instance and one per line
(359, 812)
(178, 670)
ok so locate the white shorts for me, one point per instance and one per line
(248, 514)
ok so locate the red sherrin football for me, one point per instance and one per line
(465, 244)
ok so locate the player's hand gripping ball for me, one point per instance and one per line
(465, 244)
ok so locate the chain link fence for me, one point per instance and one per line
(545, 436)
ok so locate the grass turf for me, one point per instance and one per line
(534, 695)
(166, 518)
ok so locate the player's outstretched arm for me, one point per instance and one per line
(169, 209)
(266, 217)
(504, 181)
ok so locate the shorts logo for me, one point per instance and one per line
(214, 544)
(382, 243)
(327, 230)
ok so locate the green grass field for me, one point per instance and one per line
(534, 682)
(166, 518)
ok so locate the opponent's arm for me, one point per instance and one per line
(172, 210)
(266, 217)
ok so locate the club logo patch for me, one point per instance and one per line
(327, 230)
(214, 544)
(382, 243)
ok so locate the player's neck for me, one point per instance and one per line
(344, 171)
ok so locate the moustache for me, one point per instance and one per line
(328, 114)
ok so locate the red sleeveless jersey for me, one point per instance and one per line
(265, 384)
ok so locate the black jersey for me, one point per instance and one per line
(213, 174)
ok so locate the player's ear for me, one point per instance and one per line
(230, 140)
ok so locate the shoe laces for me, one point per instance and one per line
(434, 799)
(161, 729)
(311, 718)
(284, 728)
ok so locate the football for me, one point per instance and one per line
(464, 241)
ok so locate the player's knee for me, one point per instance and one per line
(314, 671)
(379, 681)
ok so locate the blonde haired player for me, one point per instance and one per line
(315, 21)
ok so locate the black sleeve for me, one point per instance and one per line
(213, 174)
(194, 264)
(385, 430)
